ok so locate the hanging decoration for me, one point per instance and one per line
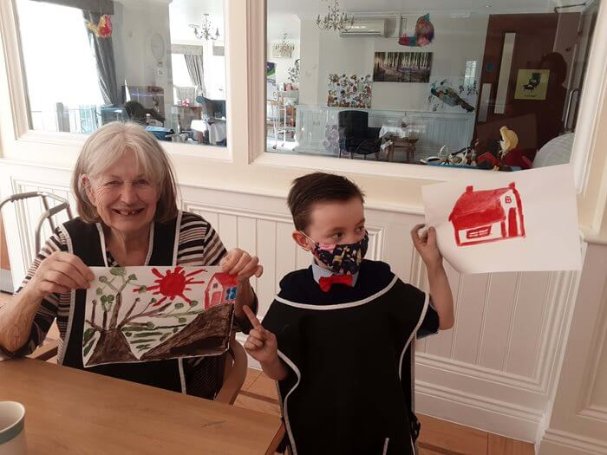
(452, 95)
(283, 49)
(205, 29)
(102, 29)
(294, 72)
(335, 19)
(424, 33)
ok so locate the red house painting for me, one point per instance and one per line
(221, 288)
(487, 216)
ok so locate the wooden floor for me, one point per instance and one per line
(437, 437)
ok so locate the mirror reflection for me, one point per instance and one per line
(475, 83)
(161, 64)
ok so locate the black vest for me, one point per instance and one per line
(86, 244)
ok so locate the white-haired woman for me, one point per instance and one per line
(126, 197)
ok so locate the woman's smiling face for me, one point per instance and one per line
(124, 196)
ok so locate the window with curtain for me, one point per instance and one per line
(60, 67)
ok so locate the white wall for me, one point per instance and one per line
(283, 64)
(579, 416)
(135, 62)
(456, 41)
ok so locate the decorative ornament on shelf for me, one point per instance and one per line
(205, 29)
(334, 19)
(102, 29)
(283, 49)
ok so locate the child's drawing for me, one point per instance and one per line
(488, 215)
(152, 313)
(506, 221)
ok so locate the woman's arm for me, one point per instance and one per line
(58, 273)
(16, 320)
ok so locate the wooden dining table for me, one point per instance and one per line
(69, 411)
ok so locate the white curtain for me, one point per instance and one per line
(193, 56)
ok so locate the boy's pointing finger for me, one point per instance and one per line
(252, 318)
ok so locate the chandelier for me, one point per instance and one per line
(334, 19)
(283, 49)
(205, 30)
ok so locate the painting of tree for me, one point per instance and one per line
(137, 314)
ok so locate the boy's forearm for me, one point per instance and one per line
(442, 298)
(275, 369)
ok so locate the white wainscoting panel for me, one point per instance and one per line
(578, 423)
(495, 370)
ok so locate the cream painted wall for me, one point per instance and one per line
(132, 50)
(457, 40)
(578, 419)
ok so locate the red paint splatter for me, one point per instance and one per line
(174, 283)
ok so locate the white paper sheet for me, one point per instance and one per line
(507, 221)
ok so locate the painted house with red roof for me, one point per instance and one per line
(221, 289)
(487, 215)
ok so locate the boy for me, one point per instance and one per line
(337, 337)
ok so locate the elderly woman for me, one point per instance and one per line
(126, 195)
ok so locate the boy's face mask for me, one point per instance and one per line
(341, 258)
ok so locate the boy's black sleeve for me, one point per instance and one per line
(430, 324)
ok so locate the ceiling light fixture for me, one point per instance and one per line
(283, 49)
(205, 30)
(334, 19)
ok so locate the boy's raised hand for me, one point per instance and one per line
(426, 245)
(261, 343)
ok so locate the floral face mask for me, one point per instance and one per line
(341, 258)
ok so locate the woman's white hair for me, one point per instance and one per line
(109, 144)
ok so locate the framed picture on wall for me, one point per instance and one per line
(402, 66)
(532, 84)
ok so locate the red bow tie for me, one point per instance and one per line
(325, 282)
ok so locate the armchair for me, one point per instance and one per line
(355, 135)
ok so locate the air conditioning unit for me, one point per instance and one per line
(365, 27)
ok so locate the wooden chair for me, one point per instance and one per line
(46, 352)
(234, 373)
(277, 440)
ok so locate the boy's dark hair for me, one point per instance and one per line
(310, 189)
